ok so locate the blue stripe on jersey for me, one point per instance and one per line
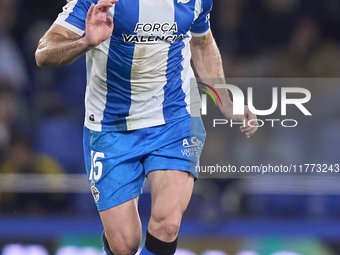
(174, 98)
(174, 104)
(201, 24)
(78, 16)
(184, 16)
(119, 67)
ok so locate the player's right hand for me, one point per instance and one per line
(246, 117)
(99, 26)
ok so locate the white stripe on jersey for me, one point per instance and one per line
(95, 97)
(200, 34)
(67, 9)
(149, 66)
(186, 73)
(198, 8)
(189, 86)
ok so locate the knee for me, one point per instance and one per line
(164, 226)
(123, 244)
(125, 249)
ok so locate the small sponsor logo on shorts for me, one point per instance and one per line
(95, 192)
(192, 147)
(91, 118)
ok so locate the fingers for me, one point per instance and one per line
(103, 6)
(106, 3)
(251, 123)
(249, 134)
(109, 21)
(249, 130)
(90, 11)
(246, 128)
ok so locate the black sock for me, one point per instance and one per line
(156, 246)
(106, 244)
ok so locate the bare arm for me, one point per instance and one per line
(207, 61)
(60, 46)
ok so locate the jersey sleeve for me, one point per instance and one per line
(201, 25)
(74, 15)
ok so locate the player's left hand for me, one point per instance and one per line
(248, 115)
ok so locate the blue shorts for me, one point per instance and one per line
(118, 161)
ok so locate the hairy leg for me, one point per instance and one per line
(170, 193)
(122, 227)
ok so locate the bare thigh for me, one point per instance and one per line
(171, 191)
(122, 227)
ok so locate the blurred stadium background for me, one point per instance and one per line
(45, 203)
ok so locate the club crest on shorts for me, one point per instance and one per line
(95, 192)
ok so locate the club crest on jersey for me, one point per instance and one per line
(95, 192)
(183, 1)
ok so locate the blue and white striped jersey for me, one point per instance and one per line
(140, 76)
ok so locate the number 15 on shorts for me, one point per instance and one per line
(96, 166)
